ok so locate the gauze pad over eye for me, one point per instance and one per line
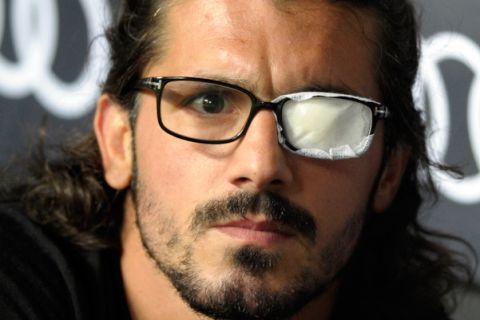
(325, 125)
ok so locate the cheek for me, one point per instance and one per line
(339, 202)
(339, 187)
(176, 172)
(158, 160)
(336, 192)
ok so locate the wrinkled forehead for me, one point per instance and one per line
(256, 18)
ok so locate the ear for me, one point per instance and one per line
(114, 136)
(391, 178)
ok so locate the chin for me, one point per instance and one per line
(253, 283)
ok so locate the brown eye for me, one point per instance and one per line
(206, 102)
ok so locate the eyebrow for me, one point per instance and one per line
(244, 83)
(342, 88)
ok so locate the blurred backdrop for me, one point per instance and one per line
(53, 58)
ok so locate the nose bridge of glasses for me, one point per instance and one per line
(268, 105)
(259, 105)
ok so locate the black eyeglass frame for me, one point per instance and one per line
(157, 84)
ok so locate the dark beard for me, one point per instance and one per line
(254, 261)
(241, 295)
(233, 299)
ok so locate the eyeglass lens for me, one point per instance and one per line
(203, 110)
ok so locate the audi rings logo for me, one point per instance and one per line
(34, 25)
(438, 48)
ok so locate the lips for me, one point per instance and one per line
(265, 233)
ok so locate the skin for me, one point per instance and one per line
(270, 52)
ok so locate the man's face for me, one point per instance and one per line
(248, 228)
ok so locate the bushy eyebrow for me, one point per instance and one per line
(244, 83)
(343, 89)
(320, 87)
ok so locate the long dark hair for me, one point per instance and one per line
(399, 271)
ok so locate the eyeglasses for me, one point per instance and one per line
(321, 125)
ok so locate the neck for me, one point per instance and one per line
(150, 295)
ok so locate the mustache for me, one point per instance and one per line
(274, 207)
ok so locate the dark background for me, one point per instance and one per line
(25, 105)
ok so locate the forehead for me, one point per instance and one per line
(246, 39)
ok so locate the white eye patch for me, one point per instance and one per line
(325, 125)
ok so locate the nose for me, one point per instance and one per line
(258, 162)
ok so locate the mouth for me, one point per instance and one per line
(263, 232)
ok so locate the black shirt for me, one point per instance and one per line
(46, 277)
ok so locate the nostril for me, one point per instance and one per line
(276, 182)
(242, 180)
(258, 184)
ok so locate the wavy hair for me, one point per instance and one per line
(399, 270)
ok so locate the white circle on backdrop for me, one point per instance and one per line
(34, 26)
(452, 46)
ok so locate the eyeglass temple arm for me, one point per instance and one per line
(381, 112)
(150, 83)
